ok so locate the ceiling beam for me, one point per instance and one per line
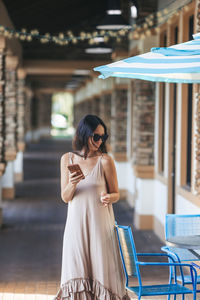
(59, 67)
(52, 90)
(51, 78)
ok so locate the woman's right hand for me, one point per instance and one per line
(74, 178)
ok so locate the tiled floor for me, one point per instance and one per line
(33, 225)
(26, 290)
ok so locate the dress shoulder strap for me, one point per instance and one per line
(100, 167)
(70, 158)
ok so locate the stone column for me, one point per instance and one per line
(196, 124)
(143, 133)
(11, 108)
(84, 108)
(119, 102)
(21, 75)
(87, 107)
(196, 174)
(143, 151)
(18, 164)
(28, 114)
(10, 143)
(2, 118)
(75, 122)
(44, 114)
(81, 109)
(2, 105)
(41, 117)
(105, 113)
(8, 190)
(96, 106)
(18, 167)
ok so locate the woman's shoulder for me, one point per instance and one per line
(65, 157)
(106, 159)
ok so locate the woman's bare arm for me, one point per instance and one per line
(111, 180)
(68, 181)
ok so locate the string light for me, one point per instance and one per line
(61, 36)
(29, 38)
(136, 35)
(74, 41)
(159, 14)
(148, 32)
(102, 32)
(186, 8)
(144, 27)
(95, 34)
(106, 38)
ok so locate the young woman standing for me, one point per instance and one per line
(91, 263)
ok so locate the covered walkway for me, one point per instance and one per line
(154, 128)
(33, 225)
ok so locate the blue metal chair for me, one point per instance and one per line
(132, 266)
(181, 225)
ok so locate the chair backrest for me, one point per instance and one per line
(181, 225)
(128, 252)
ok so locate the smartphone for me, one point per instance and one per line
(75, 168)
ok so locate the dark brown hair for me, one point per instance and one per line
(85, 129)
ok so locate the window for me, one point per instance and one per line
(189, 135)
(162, 128)
(187, 117)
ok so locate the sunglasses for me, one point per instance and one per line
(97, 137)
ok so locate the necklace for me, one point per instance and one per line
(84, 158)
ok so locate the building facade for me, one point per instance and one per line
(154, 128)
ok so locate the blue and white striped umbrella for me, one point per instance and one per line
(177, 63)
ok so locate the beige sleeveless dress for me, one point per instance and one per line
(91, 263)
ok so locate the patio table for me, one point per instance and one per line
(190, 242)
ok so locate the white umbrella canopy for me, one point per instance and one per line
(178, 63)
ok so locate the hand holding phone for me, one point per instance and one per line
(76, 168)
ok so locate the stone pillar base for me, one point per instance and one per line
(18, 177)
(8, 193)
(2, 168)
(127, 196)
(144, 222)
(159, 229)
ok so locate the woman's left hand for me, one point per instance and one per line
(105, 198)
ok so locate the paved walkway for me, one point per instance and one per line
(33, 225)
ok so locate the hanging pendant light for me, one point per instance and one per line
(113, 19)
(134, 9)
(113, 7)
(99, 49)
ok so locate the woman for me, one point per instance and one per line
(91, 264)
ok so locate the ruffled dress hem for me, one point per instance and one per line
(81, 288)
